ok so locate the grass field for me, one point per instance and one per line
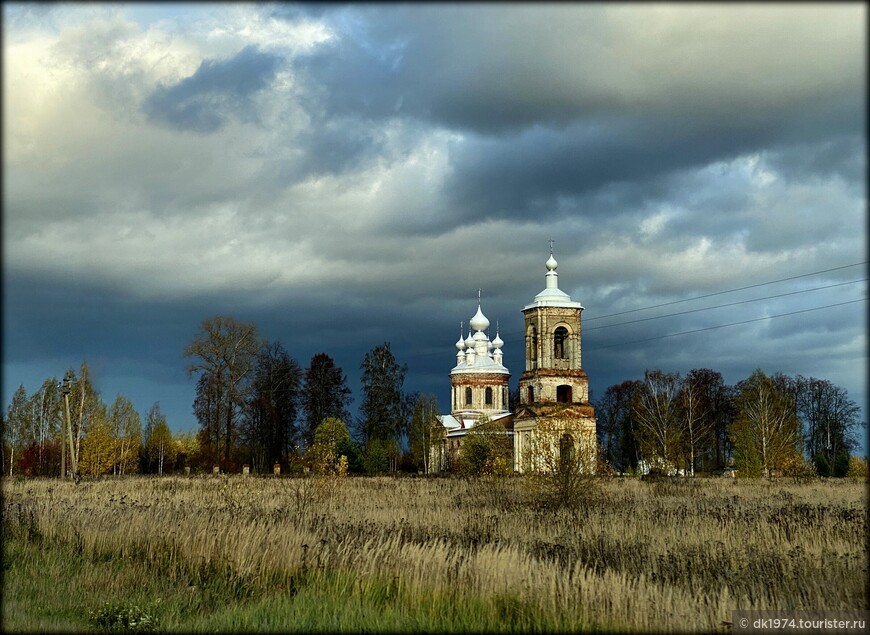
(240, 553)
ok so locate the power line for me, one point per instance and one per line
(709, 295)
(720, 326)
(721, 306)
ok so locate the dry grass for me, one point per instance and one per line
(663, 556)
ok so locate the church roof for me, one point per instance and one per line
(552, 295)
(460, 423)
(477, 354)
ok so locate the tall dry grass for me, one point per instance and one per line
(676, 555)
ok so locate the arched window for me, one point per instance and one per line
(560, 343)
(533, 344)
(531, 393)
(488, 396)
(563, 393)
(468, 396)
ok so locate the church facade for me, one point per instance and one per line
(554, 419)
(479, 392)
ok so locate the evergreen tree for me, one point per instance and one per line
(324, 395)
(271, 407)
(384, 412)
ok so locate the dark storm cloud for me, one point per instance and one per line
(843, 156)
(218, 90)
(549, 109)
(405, 157)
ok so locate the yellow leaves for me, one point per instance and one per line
(98, 449)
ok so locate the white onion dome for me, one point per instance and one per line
(460, 343)
(469, 341)
(552, 264)
(479, 321)
(497, 342)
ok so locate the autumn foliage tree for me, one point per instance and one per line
(159, 447)
(127, 434)
(767, 431)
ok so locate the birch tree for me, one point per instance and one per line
(425, 430)
(126, 427)
(654, 408)
(767, 428)
(159, 446)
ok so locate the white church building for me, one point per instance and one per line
(554, 415)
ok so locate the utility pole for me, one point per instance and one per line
(73, 460)
(65, 390)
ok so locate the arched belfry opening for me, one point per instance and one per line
(564, 393)
(532, 347)
(560, 343)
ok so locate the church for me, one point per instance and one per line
(554, 420)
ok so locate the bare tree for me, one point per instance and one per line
(654, 407)
(226, 351)
(127, 432)
(830, 419)
(696, 405)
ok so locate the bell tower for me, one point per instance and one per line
(554, 387)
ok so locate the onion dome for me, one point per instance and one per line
(497, 342)
(551, 263)
(479, 321)
(469, 341)
(460, 343)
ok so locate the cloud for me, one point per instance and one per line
(353, 174)
(509, 70)
(217, 91)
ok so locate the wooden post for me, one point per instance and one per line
(216, 469)
(187, 470)
(65, 390)
(276, 469)
(245, 470)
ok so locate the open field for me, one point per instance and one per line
(412, 554)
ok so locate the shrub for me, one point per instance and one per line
(857, 467)
(119, 616)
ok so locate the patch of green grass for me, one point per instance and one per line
(345, 602)
(50, 587)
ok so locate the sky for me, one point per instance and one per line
(349, 175)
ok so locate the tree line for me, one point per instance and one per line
(102, 438)
(763, 425)
(255, 405)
